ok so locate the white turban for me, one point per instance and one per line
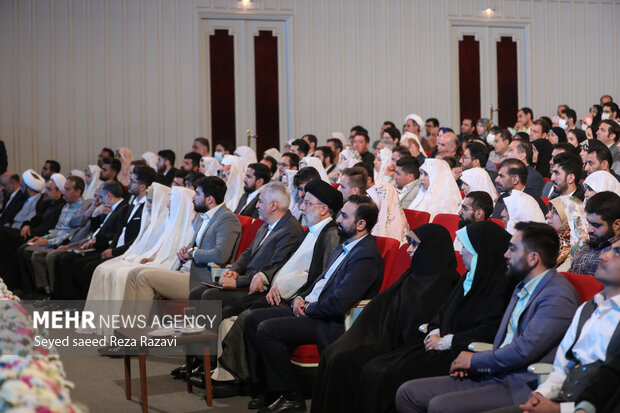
(33, 180)
(416, 118)
(59, 180)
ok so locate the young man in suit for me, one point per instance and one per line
(407, 179)
(539, 312)
(77, 270)
(165, 166)
(512, 175)
(256, 176)
(316, 316)
(523, 151)
(565, 175)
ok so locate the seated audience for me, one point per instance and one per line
(598, 159)
(223, 148)
(522, 150)
(92, 181)
(233, 173)
(289, 161)
(317, 313)
(110, 168)
(201, 146)
(165, 166)
(565, 175)
(537, 316)
(383, 159)
(603, 216)
(300, 148)
(477, 179)
(353, 181)
(567, 216)
(512, 175)
(300, 179)
(520, 207)
(412, 143)
(105, 153)
(407, 180)
(21, 201)
(209, 166)
(500, 144)
(600, 181)
(191, 161)
(310, 161)
(256, 176)
(391, 222)
(476, 206)
(438, 193)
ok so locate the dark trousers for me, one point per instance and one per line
(268, 334)
(74, 275)
(10, 241)
(24, 257)
(451, 395)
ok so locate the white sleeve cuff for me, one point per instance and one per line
(567, 407)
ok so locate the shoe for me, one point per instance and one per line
(224, 389)
(181, 371)
(285, 406)
(198, 379)
(257, 402)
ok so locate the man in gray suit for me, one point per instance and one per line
(217, 239)
(539, 312)
(406, 177)
(269, 251)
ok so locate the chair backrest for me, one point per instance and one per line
(416, 218)
(546, 201)
(388, 247)
(402, 262)
(249, 228)
(335, 185)
(449, 221)
(498, 222)
(586, 285)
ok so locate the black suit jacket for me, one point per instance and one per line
(10, 209)
(166, 179)
(358, 276)
(579, 193)
(132, 228)
(535, 182)
(603, 389)
(248, 210)
(111, 227)
(46, 217)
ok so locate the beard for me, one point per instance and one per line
(161, 169)
(560, 188)
(345, 233)
(518, 272)
(248, 190)
(602, 241)
(200, 208)
(463, 222)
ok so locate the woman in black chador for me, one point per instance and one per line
(362, 370)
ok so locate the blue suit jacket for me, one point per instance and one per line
(541, 327)
(358, 276)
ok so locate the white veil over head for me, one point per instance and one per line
(316, 164)
(385, 156)
(234, 182)
(247, 155)
(91, 188)
(479, 180)
(443, 195)
(521, 207)
(391, 221)
(210, 165)
(150, 158)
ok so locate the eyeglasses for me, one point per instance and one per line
(307, 204)
(284, 164)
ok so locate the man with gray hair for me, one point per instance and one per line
(269, 251)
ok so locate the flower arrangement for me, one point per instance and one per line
(31, 378)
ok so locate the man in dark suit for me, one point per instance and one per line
(565, 175)
(316, 316)
(512, 175)
(266, 255)
(522, 151)
(12, 197)
(539, 312)
(256, 176)
(76, 270)
(165, 166)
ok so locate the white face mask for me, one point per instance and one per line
(605, 116)
(584, 126)
(563, 124)
(490, 139)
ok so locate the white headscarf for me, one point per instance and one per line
(247, 155)
(521, 207)
(391, 221)
(150, 158)
(78, 173)
(316, 164)
(150, 234)
(385, 155)
(601, 181)
(407, 137)
(479, 180)
(443, 195)
(348, 158)
(234, 182)
(91, 188)
(274, 153)
(210, 165)
(178, 227)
